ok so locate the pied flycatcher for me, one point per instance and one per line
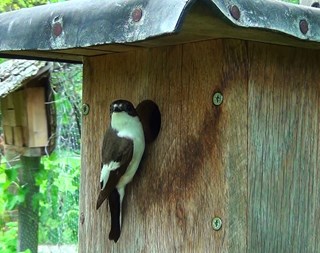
(122, 150)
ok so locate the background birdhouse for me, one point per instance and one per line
(27, 114)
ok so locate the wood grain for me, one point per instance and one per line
(37, 118)
(253, 161)
(283, 141)
(197, 167)
(8, 136)
(20, 108)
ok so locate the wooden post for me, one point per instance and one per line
(28, 212)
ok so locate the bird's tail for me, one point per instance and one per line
(115, 210)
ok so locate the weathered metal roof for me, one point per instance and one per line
(15, 73)
(73, 29)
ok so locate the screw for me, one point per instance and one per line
(57, 25)
(57, 29)
(217, 98)
(304, 27)
(235, 12)
(136, 15)
(216, 223)
(85, 109)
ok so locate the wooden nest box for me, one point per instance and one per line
(236, 164)
(25, 105)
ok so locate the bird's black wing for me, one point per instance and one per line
(117, 149)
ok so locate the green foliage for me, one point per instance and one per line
(58, 179)
(10, 5)
(12, 194)
(292, 1)
(11, 197)
(59, 183)
(8, 235)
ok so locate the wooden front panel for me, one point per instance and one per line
(197, 167)
(253, 161)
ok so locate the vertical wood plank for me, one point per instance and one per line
(8, 134)
(283, 149)
(7, 106)
(195, 170)
(18, 136)
(19, 103)
(37, 118)
(215, 151)
(10, 117)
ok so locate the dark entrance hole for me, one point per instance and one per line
(150, 117)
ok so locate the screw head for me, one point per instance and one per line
(85, 109)
(216, 223)
(57, 25)
(136, 15)
(304, 27)
(217, 98)
(57, 29)
(235, 12)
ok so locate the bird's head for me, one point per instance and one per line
(123, 115)
(121, 105)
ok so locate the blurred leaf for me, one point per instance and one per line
(4, 186)
(11, 174)
(8, 235)
(41, 175)
(16, 199)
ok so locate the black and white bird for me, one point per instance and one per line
(122, 150)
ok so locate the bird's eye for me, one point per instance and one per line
(116, 107)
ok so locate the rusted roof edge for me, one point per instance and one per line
(86, 23)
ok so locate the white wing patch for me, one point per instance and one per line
(105, 172)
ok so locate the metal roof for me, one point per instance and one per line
(73, 29)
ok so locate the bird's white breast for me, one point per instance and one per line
(129, 127)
